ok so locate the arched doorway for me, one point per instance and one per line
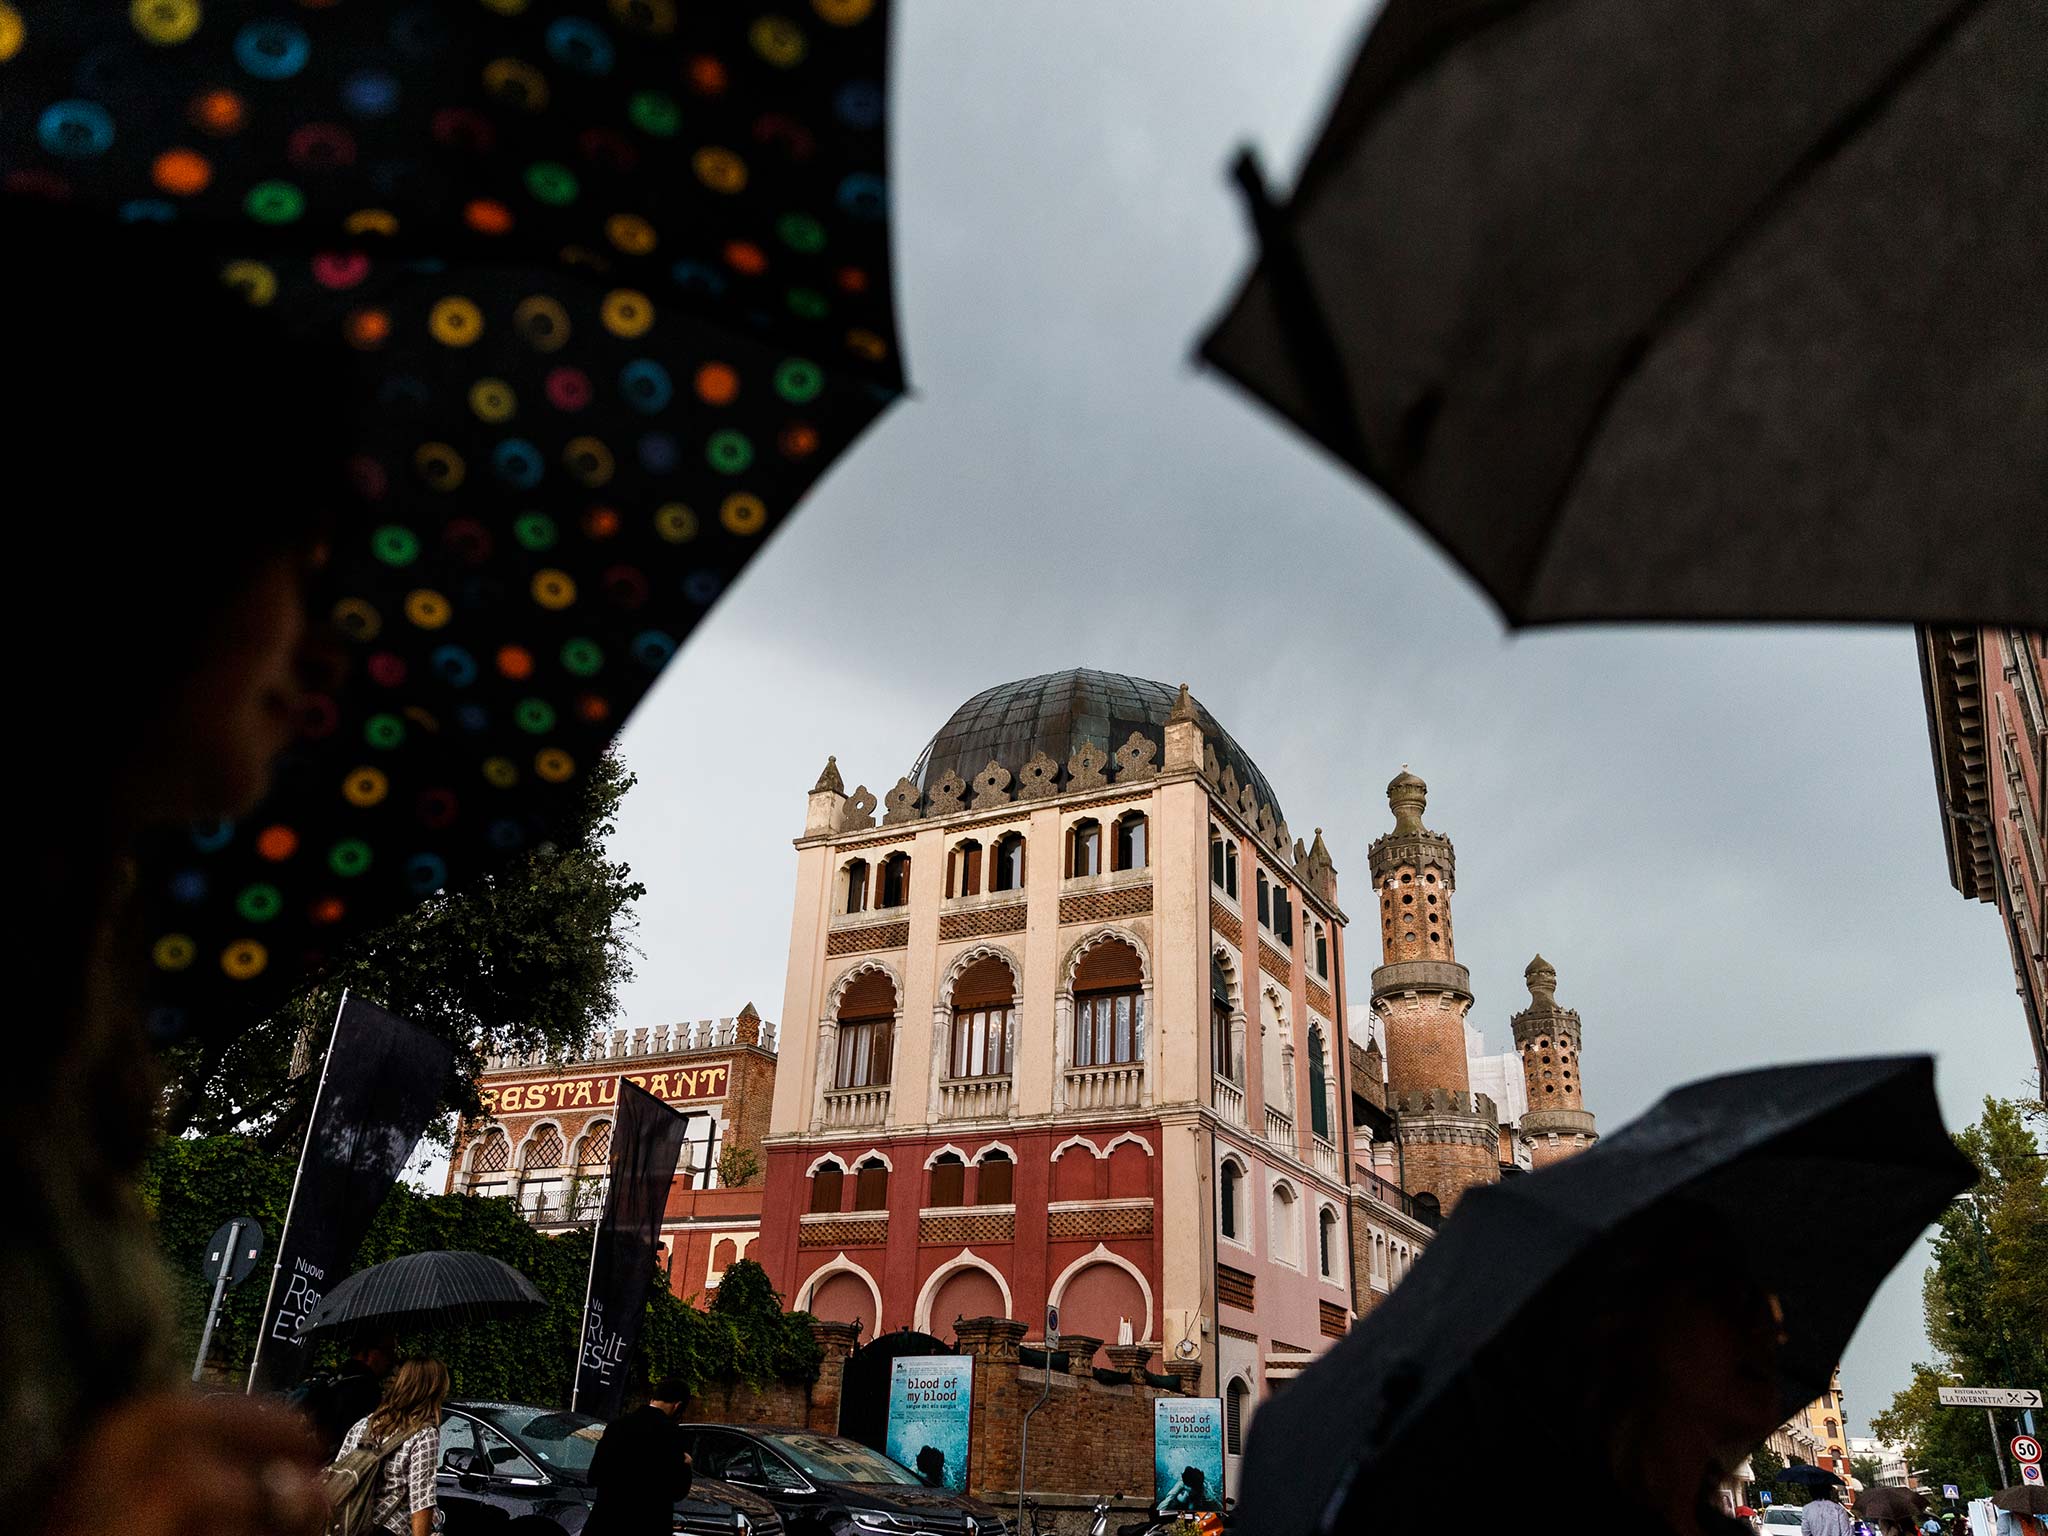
(864, 1388)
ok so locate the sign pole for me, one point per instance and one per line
(220, 1284)
(277, 1265)
(1998, 1450)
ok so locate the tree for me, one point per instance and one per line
(528, 959)
(1866, 1469)
(1985, 1297)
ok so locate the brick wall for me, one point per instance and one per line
(1425, 1035)
(1447, 1170)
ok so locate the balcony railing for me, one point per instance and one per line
(658, 1040)
(974, 1098)
(1325, 1156)
(1118, 1086)
(853, 1108)
(1229, 1100)
(1280, 1127)
(1400, 1200)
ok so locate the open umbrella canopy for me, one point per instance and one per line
(2026, 1499)
(613, 284)
(1804, 1474)
(1648, 309)
(1395, 1399)
(1905, 1504)
(439, 1287)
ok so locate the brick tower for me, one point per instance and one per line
(1449, 1137)
(1548, 1038)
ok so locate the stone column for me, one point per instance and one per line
(1188, 1373)
(1130, 1360)
(992, 1449)
(837, 1340)
(1080, 1350)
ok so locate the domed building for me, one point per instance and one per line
(1064, 1025)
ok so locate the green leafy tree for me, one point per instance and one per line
(528, 959)
(193, 1184)
(1866, 1470)
(1986, 1301)
(737, 1166)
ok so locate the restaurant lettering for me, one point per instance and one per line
(680, 1085)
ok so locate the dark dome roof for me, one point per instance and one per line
(1055, 713)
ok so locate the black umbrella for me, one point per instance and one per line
(420, 1289)
(2026, 1499)
(1652, 309)
(1904, 1504)
(1399, 1400)
(1803, 1474)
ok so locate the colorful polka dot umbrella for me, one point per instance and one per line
(618, 276)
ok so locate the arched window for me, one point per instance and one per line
(1282, 919)
(963, 869)
(984, 1010)
(1221, 1057)
(1318, 1084)
(854, 895)
(895, 881)
(1109, 1006)
(827, 1183)
(1274, 1056)
(1283, 1233)
(1006, 863)
(1223, 862)
(867, 1029)
(490, 1164)
(1429, 1208)
(1265, 900)
(1322, 951)
(871, 1186)
(1326, 1242)
(1084, 848)
(949, 1180)
(1130, 840)
(994, 1184)
(1228, 1190)
(1235, 1397)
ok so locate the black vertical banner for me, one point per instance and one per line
(647, 1142)
(378, 1088)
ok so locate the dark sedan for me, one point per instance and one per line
(826, 1485)
(502, 1460)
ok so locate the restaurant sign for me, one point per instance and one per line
(676, 1085)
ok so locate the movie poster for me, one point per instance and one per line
(931, 1399)
(1187, 1454)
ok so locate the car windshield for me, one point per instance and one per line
(562, 1442)
(830, 1459)
(1781, 1516)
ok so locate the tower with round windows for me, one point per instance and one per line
(1557, 1122)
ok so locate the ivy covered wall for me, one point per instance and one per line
(193, 1185)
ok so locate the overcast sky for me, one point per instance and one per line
(1726, 841)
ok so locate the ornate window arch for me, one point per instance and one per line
(966, 1258)
(1101, 1255)
(1075, 1141)
(840, 1264)
(1236, 1397)
(977, 1039)
(1130, 844)
(1226, 1014)
(1276, 1034)
(869, 1057)
(1326, 1242)
(1322, 1084)
(854, 886)
(1145, 1041)
(1134, 1138)
(1283, 1223)
(1230, 1213)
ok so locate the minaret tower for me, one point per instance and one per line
(1449, 1137)
(1548, 1038)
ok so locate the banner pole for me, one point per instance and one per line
(590, 1274)
(277, 1264)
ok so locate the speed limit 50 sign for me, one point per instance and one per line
(2025, 1448)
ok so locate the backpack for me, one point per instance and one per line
(350, 1484)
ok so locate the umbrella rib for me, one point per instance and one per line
(1803, 168)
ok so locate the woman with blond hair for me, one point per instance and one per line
(408, 1424)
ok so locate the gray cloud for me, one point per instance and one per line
(1726, 840)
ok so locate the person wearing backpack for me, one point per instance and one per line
(334, 1403)
(382, 1483)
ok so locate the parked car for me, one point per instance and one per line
(827, 1485)
(500, 1460)
(1779, 1519)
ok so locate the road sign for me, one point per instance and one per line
(1765, 1495)
(242, 1241)
(1951, 1492)
(2031, 1473)
(2025, 1448)
(1052, 1327)
(1989, 1397)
